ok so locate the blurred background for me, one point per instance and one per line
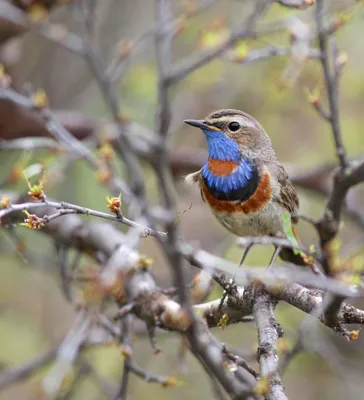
(34, 315)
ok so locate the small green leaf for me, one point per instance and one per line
(287, 226)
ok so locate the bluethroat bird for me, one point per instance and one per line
(246, 187)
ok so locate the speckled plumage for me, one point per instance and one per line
(245, 186)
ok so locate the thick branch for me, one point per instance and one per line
(306, 300)
(269, 331)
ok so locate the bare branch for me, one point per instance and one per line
(331, 86)
(123, 277)
(67, 354)
(346, 177)
(9, 376)
(269, 331)
(56, 34)
(187, 66)
(68, 208)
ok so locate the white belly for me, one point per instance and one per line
(268, 221)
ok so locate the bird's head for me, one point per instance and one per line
(233, 134)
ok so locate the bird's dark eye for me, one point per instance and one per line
(234, 126)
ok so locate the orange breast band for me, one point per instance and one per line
(257, 201)
(221, 168)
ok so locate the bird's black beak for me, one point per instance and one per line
(198, 123)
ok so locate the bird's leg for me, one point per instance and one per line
(231, 282)
(315, 269)
(246, 251)
(257, 285)
(274, 256)
(229, 289)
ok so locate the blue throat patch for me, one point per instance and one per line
(237, 180)
(221, 147)
(225, 149)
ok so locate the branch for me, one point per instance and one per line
(234, 307)
(328, 225)
(211, 354)
(29, 368)
(269, 331)
(245, 276)
(309, 301)
(300, 4)
(331, 86)
(62, 135)
(67, 354)
(189, 65)
(123, 144)
(163, 41)
(63, 206)
(345, 178)
(19, 19)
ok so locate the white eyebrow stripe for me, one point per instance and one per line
(246, 122)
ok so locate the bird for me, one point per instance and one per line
(244, 184)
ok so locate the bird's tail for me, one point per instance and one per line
(294, 256)
(288, 255)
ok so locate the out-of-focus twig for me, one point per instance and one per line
(57, 34)
(8, 376)
(163, 40)
(67, 354)
(300, 4)
(331, 86)
(180, 71)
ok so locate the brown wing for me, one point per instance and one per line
(289, 200)
(287, 197)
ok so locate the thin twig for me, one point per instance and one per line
(331, 86)
(27, 369)
(56, 34)
(180, 71)
(67, 208)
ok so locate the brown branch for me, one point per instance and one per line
(206, 348)
(163, 40)
(151, 305)
(123, 269)
(328, 225)
(331, 86)
(202, 259)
